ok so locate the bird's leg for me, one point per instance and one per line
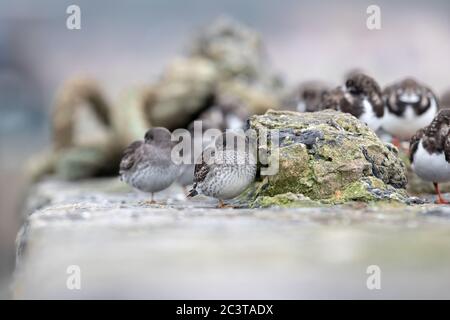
(151, 199)
(221, 205)
(396, 142)
(440, 199)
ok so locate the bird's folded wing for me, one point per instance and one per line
(130, 156)
(414, 143)
(200, 171)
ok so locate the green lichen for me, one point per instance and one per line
(285, 200)
(330, 157)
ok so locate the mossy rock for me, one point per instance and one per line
(287, 200)
(330, 157)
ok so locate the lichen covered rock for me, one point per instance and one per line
(287, 200)
(329, 156)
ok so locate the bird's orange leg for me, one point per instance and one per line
(440, 200)
(222, 205)
(396, 142)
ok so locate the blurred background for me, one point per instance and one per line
(128, 43)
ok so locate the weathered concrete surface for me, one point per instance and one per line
(189, 249)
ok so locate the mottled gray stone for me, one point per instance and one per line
(190, 249)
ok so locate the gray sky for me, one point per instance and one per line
(125, 43)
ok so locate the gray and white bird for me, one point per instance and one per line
(361, 96)
(147, 165)
(430, 151)
(410, 106)
(227, 169)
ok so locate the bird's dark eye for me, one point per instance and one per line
(148, 136)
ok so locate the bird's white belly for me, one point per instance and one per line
(431, 167)
(406, 126)
(153, 179)
(235, 188)
(230, 183)
(369, 117)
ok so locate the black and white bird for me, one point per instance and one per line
(226, 169)
(410, 106)
(430, 151)
(147, 165)
(361, 96)
(310, 96)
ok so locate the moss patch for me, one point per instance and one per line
(327, 156)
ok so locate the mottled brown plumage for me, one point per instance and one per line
(409, 86)
(130, 156)
(226, 170)
(361, 97)
(409, 106)
(436, 137)
(202, 168)
(360, 84)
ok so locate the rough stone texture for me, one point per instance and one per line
(189, 249)
(330, 156)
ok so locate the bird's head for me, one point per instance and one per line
(158, 136)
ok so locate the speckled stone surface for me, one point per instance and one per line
(188, 249)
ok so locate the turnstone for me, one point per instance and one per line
(227, 169)
(361, 96)
(430, 151)
(409, 107)
(310, 96)
(147, 165)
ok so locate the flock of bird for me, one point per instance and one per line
(407, 110)
(224, 172)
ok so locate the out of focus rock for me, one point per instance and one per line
(185, 90)
(236, 50)
(74, 94)
(130, 116)
(224, 78)
(89, 133)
